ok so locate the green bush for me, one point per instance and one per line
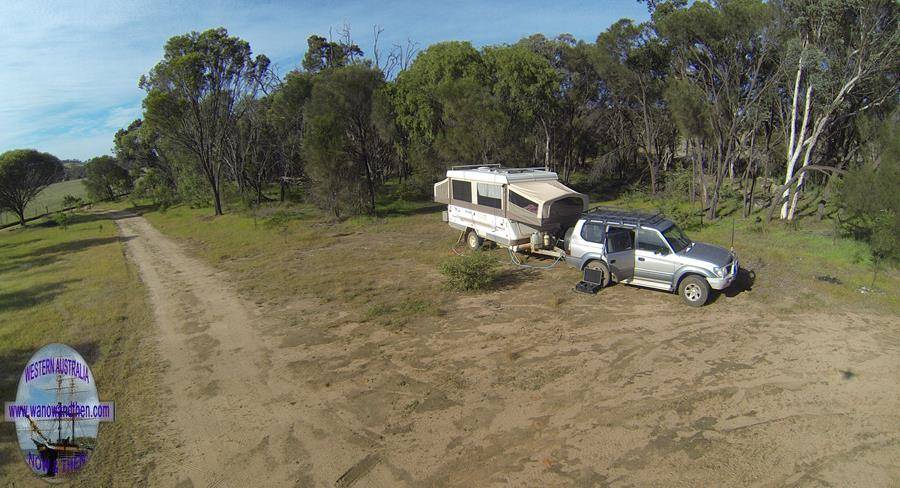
(470, 272)
(61, 219)
(411, 190)
(870, 209)
(153, 185)
(678, 182)
(686, 217)
(69, 201)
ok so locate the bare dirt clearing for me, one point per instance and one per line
(504, 388)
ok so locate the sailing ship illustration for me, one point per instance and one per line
(67, 452)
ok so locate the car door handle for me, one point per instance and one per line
(612, 261)
(640, 259)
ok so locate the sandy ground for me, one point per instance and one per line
(628, 388)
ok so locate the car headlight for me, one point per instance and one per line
(720, 272)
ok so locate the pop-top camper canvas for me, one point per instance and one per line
(508, 205)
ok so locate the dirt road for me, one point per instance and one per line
(625, 389)
(229, 416)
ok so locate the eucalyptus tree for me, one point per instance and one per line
(23, 174)
(105, 178)
(843, 60)
(344, 151)
(634, 65)
(252, 150)
(418, 102)
(728, 52)
(576, 99)
(286, 118)
(474, 127)
(193, 94)
(139, 147)
(526, 85)
(323, 53)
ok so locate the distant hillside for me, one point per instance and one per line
(74, 169)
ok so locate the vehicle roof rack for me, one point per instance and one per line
(475, 166)
(497, 168)
(624, 216)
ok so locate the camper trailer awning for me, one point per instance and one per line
(543, 193)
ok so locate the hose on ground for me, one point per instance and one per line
(458, 242)
(515, 261)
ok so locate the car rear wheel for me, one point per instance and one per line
(473, 241)
(694, 290)
(601, 267)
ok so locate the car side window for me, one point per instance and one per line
(650, 240)
(619, 239)
(592, 232)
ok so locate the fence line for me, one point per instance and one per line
(48, 213)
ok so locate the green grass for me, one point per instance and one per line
(76, 287)
(49, 200)
(379, 269)
(371, 264)
(789, 259)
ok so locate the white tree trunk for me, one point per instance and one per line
(796, 143)
(797, 189)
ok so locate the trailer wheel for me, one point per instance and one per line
(694, 290)
(473, 241)
(603, 268)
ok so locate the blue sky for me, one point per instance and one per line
(69, 69)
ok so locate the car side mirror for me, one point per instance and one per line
(662, 252)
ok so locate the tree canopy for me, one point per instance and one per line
(769, 103)
(23, 174)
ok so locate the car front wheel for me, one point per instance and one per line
(694, 290)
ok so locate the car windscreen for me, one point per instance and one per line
(676, 238)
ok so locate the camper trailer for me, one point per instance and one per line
(525, 209)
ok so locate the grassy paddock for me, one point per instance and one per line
(49, 200)
(75, 286)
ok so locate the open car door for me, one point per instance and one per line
(620, 252)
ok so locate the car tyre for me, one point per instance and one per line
(602, 267)
(473, 240)
(694, 290)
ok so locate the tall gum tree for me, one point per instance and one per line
(634, 64)
(840, 50)
(193, 94)
(525, 84)
(726, 50)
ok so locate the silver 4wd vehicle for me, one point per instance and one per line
(648, 250)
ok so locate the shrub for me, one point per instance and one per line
(686, 217)
(69, 201)
(411, 190)
(154, 186)
(678, 182)
(470, 272)
(870, 209)
(62, 220)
